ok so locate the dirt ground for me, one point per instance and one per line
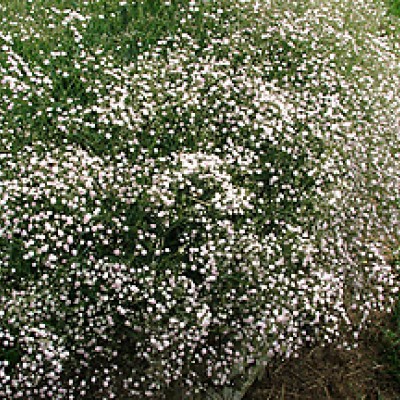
(327, 373)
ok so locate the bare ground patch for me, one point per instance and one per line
(334, 374)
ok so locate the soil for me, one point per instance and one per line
(333, 374)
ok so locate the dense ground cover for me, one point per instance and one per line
(189, 188)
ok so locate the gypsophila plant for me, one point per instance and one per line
(188, 188)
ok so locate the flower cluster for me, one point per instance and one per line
(176, 210)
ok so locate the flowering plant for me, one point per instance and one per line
(176, 211)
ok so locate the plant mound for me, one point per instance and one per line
(176, 210)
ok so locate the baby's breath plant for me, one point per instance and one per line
(190, 188)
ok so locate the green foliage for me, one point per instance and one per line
(392, 339)
(394, 7)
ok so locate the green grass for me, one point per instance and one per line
(392, 333)
(394, 7)
(132, 26)
(392, 339)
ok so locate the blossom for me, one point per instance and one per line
(213, 197)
